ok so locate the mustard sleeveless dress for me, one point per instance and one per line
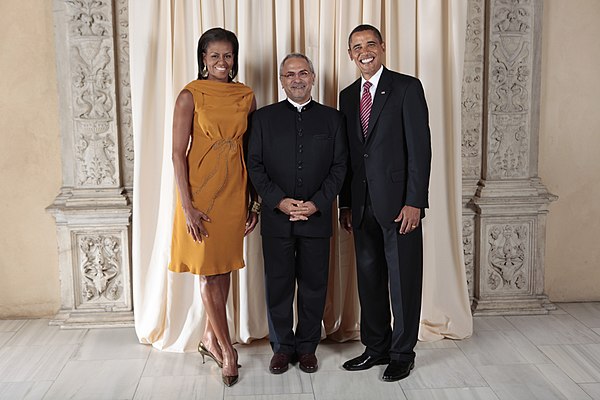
(218, 179)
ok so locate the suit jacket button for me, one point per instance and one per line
(365, 155)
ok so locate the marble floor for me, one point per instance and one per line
(556, 356)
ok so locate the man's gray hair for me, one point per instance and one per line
(297, 55)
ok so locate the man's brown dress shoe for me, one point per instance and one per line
(308, 362)
(279, 363)
(365, 361)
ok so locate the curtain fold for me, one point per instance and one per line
(423, 38)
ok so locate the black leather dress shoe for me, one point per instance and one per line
(397, 370)
(279, 363)
(365, 361)
(308, 362)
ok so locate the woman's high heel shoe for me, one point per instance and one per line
(202, 349)
(230, 380)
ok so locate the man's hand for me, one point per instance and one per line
(303, 211)
(288, 205)
(409, 218)
(346, 219)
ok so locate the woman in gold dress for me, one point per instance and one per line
(212, 215)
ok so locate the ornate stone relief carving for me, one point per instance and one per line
(89, 17)
(93, 92)
(92, 213)
(468, 235)
(510, 202)
(100, 268)
(124, 91)
(508, 258)
(510, 89)
(95, 153)
(472, 91)
(472, 129)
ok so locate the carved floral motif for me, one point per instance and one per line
(507, 254)
(125, 120)
(468, 235)
(92, 79)
(89, 17)
(512, 16)
(100, 258)
(93, 92)
(95, 153)
(510, 89)
(472, 92)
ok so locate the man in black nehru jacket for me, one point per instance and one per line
(297, 162)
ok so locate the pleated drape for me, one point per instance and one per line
(423, 38)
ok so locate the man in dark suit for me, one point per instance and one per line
(383, 200)
(297, 162)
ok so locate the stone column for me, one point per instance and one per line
(472, 128)
(93, 211)
(504, 220)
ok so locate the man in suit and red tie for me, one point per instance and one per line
(382, 202)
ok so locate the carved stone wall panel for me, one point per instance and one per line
(472, 91)
(103, 270)
(124, 92)
(468, 235)
(509, 257)
(92, 66)
(509, 89)
(92, 211)
(472, 106)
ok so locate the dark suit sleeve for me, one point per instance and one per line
(418, 143)
(270, 193)
(346, 192)
(345, 199)
(332, 184)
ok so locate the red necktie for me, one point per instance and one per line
(365, 107)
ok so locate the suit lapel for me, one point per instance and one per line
(354, 94)
(382, 93)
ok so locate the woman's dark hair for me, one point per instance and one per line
(218, 35)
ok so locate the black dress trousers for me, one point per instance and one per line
(390, 268)
(288, 260)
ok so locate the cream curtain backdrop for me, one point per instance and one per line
(423, 38)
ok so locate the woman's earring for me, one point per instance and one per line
(231, 73)
(205, 72)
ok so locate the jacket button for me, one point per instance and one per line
(365, 155)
